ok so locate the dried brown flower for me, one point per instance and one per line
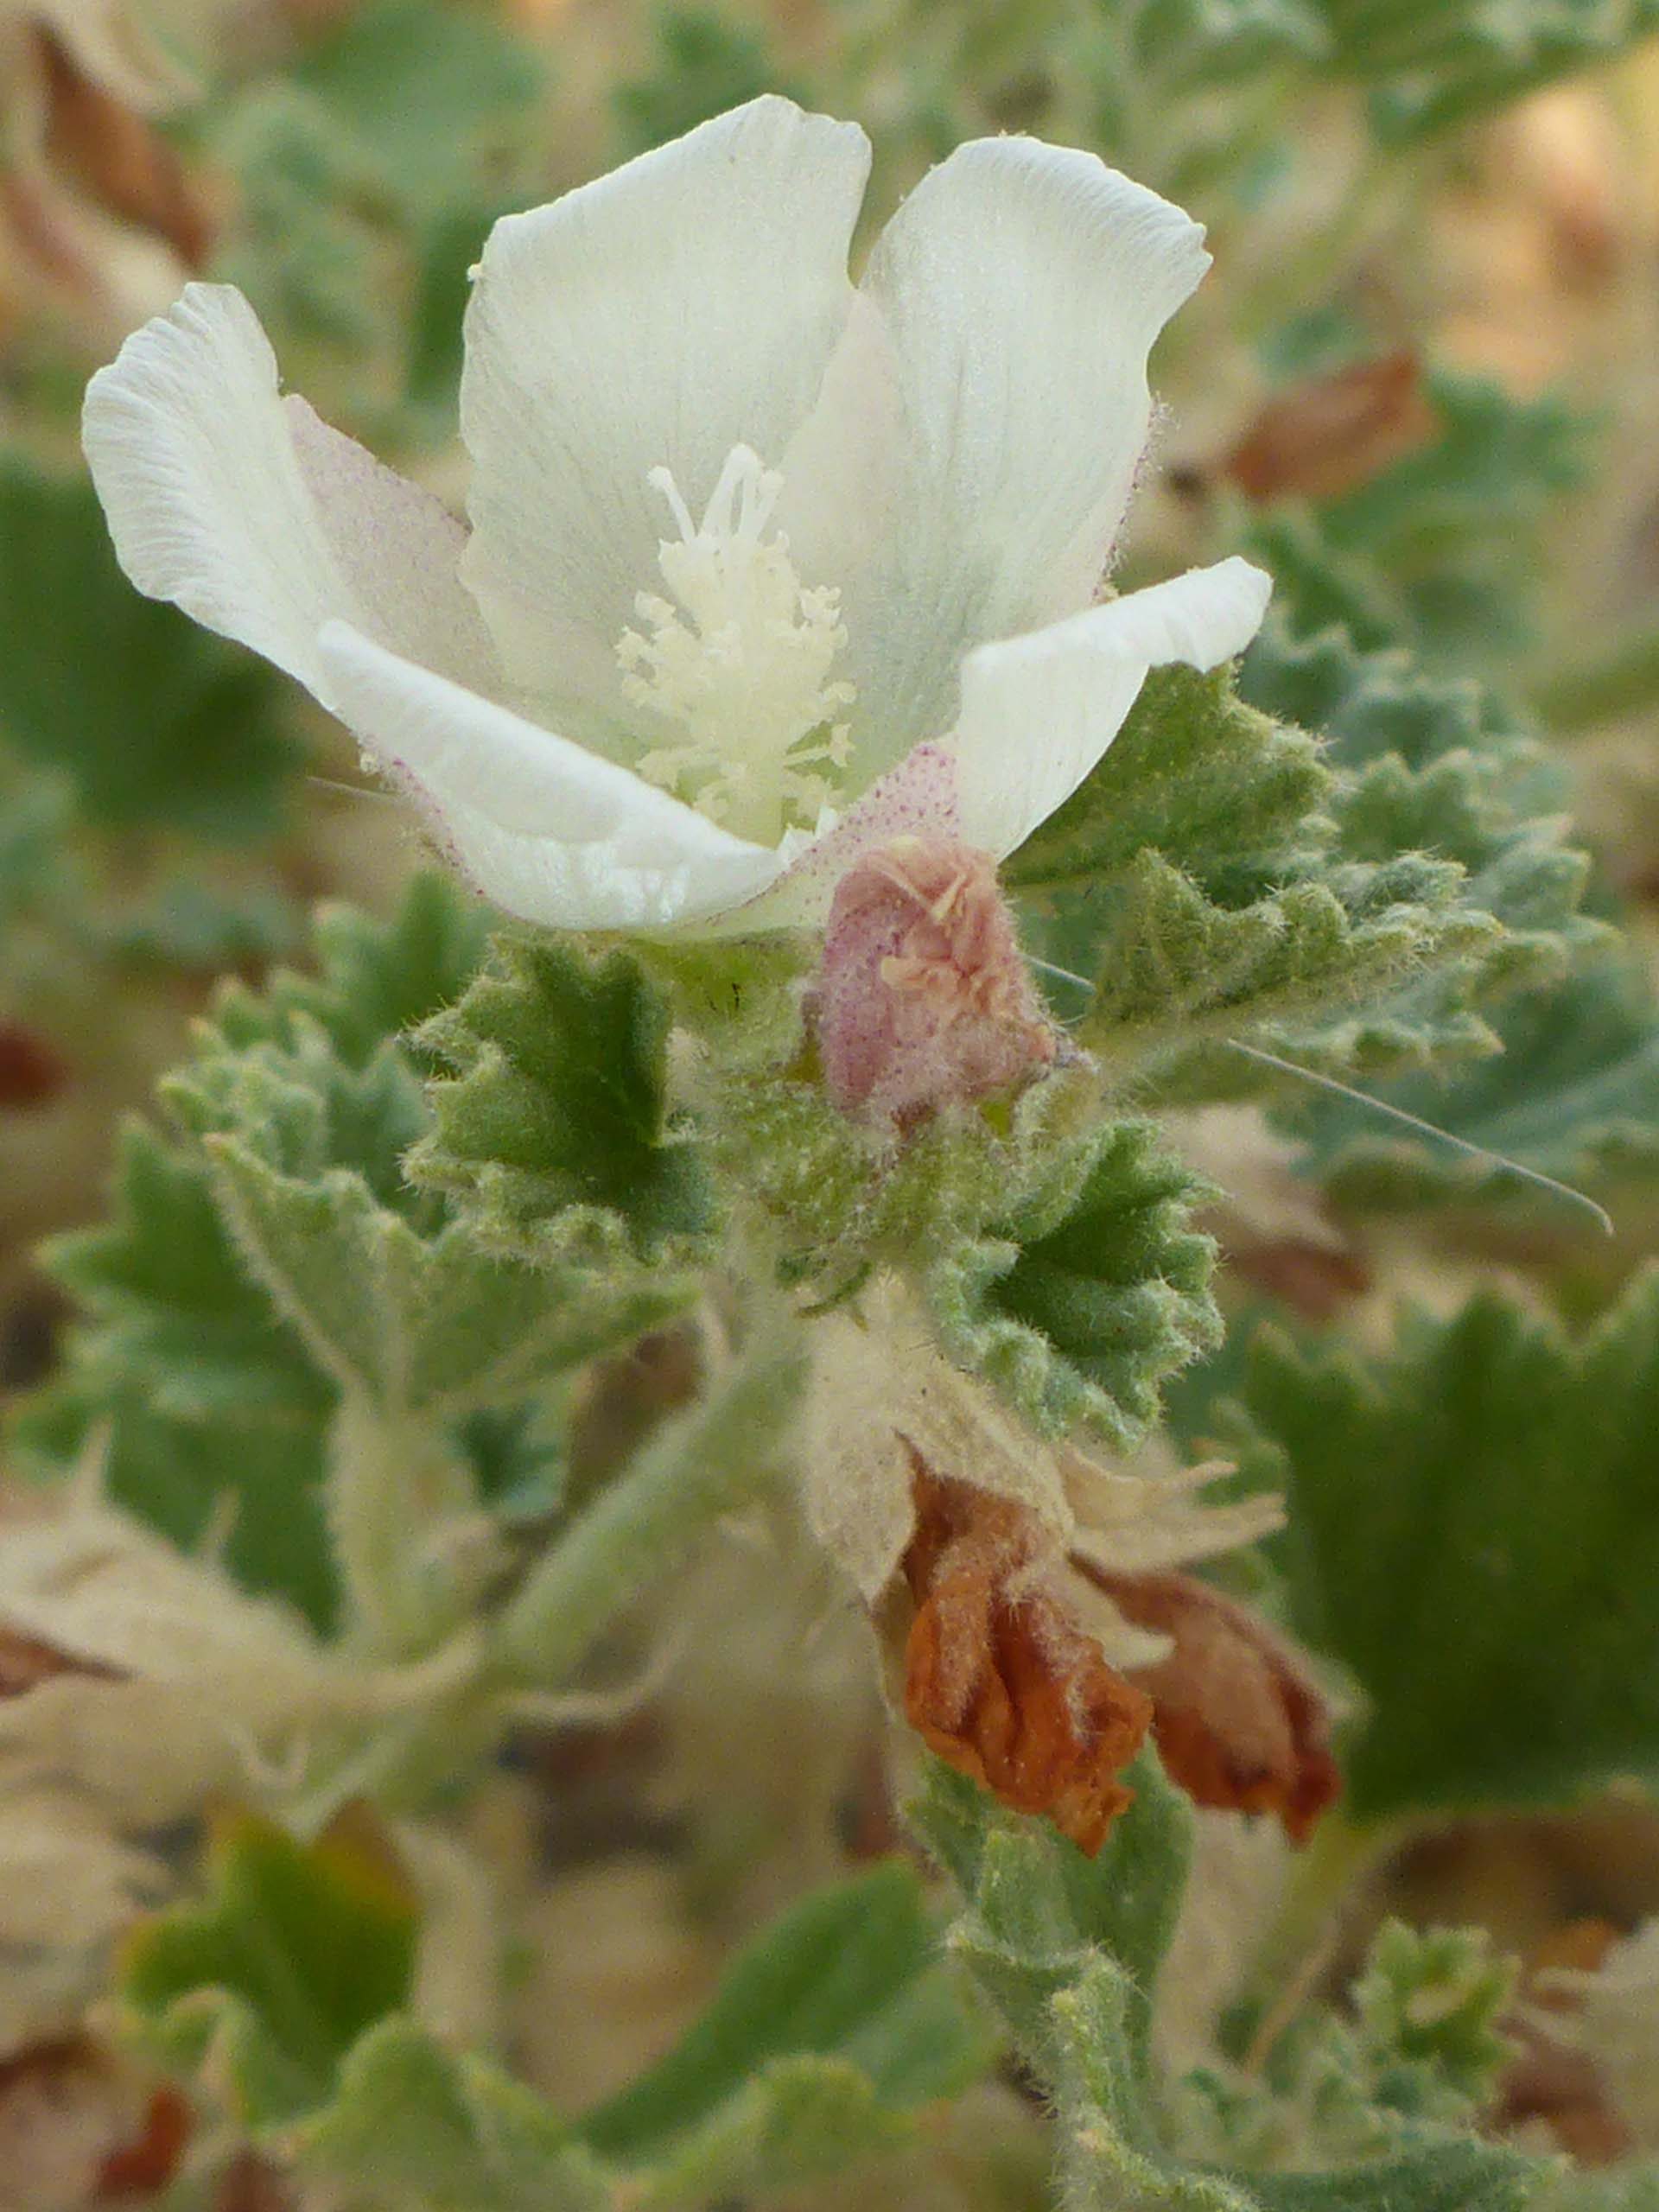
(118, 157)
(999, 1680)
(1333, 432)
(1237, 1722)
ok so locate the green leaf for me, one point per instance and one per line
(1224, 791)
(162, 725)
(432, 96)
(1431, 2000)
(1627, 2187)
(1474, 1532)
(557, 1101)
(1435, 65)
(1176, 967)
(204, 1398)
(827, 2037)
(1443, 765)
(853, 1974)
(433, 1327)
(1574, 1094)
(267, 1255)
(374, 979)
(294, 1953)
(413, 2122)
(1190, 42)
(1069, 1950)
(1441, 549)
(1078, 1301)
(1213, 879)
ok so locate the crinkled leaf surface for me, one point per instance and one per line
(1474, 1532)
(1081, 1299)
(557, 1100)
(1214, 878)
(267, 1254)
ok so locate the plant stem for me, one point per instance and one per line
(697, 1468)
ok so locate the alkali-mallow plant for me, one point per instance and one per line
(719, 1248)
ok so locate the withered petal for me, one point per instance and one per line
(1238, 1721)
(998, 1681)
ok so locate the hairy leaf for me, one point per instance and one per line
(267, 1255)
(1574, 1094)
(1078, 1300)
(1069, 1948)
(557, 1101)
(1214, 879)
(1474, 1532)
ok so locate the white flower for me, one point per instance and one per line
(762, 570)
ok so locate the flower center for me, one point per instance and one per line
(738, 661)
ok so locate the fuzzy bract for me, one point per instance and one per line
(760, 571)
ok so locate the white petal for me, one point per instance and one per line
(254, 517)
(1020, 288)
(682, 305)
(544, 829)
(1038, 711)
(399, 550)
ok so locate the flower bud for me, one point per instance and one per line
(924, 996)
